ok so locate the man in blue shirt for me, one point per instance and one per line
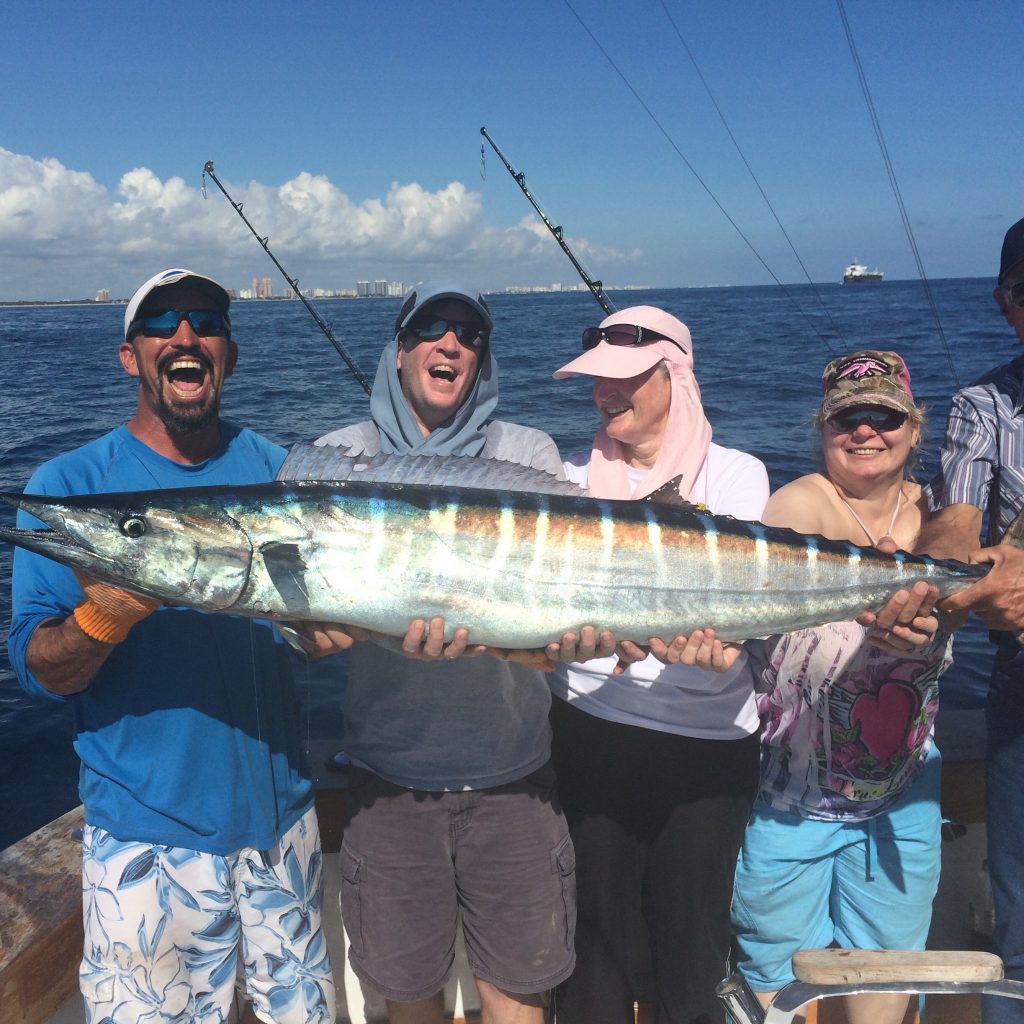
(201, 849)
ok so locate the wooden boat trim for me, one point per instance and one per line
(890, 966)
(41, 932)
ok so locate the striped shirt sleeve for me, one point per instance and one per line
(983, 457)
(970, 455)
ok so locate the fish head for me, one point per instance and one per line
(166, 545)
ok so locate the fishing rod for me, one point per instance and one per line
(520, 179)
(341, 350)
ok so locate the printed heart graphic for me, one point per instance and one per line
(885, 719)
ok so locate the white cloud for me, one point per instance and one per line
(62, 234)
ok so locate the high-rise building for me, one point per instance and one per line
(362, 289)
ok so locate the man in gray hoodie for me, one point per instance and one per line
(452, 810)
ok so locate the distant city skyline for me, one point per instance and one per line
(286, 293)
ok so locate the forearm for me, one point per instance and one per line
(63, 658)
(951, 533)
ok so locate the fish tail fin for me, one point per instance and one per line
(1015, 532)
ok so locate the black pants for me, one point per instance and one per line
(657, 820)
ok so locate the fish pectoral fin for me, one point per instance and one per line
(287, 571)
(295, 639)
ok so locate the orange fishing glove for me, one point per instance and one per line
(107, 613)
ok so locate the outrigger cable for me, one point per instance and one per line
(520, 179)
(363, 383)
(894, 184)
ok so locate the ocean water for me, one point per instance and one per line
(759, 352)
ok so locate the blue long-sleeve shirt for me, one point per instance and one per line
(188, 735)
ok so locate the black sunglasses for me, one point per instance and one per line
(1015, 293)
(470, 335)
(878, 418)
(207, 323)
(623, 334)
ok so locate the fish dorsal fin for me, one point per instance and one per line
(313, 462)
(668, 494)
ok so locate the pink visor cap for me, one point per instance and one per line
(607, 359)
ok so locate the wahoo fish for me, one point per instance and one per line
(518, 558)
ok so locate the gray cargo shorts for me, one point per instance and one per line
(414, 862)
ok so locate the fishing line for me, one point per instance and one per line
(519, 177)
(711, 195)
(750, 171)
(891, 172)
(349, 362)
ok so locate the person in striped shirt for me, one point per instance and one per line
(982, 471)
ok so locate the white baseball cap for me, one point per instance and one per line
(217, 292)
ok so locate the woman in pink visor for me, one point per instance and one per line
(658, 765)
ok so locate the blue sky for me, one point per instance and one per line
(351, 134)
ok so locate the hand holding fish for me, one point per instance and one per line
(997, 599)
(108, 613)
(701, 648)
(422, 640)
(426, 641)
(65, 654)
(905, 621)
(588, 645)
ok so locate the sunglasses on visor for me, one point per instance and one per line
(470, 335)
(623, 334)
(878, 418)
(207, 323)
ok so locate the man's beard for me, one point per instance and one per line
(192, 419)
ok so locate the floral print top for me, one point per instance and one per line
(844, 724)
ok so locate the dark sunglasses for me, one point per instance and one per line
(878, 418)
(207, 323)
(470, 335)
(1015, 293)
(623, 334)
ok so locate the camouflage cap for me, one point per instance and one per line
(866, 378)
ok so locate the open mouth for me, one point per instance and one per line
(186, 375)
(611, 411)
(443, 371)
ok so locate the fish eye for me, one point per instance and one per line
(133, 526)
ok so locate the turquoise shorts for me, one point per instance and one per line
(804, 884)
